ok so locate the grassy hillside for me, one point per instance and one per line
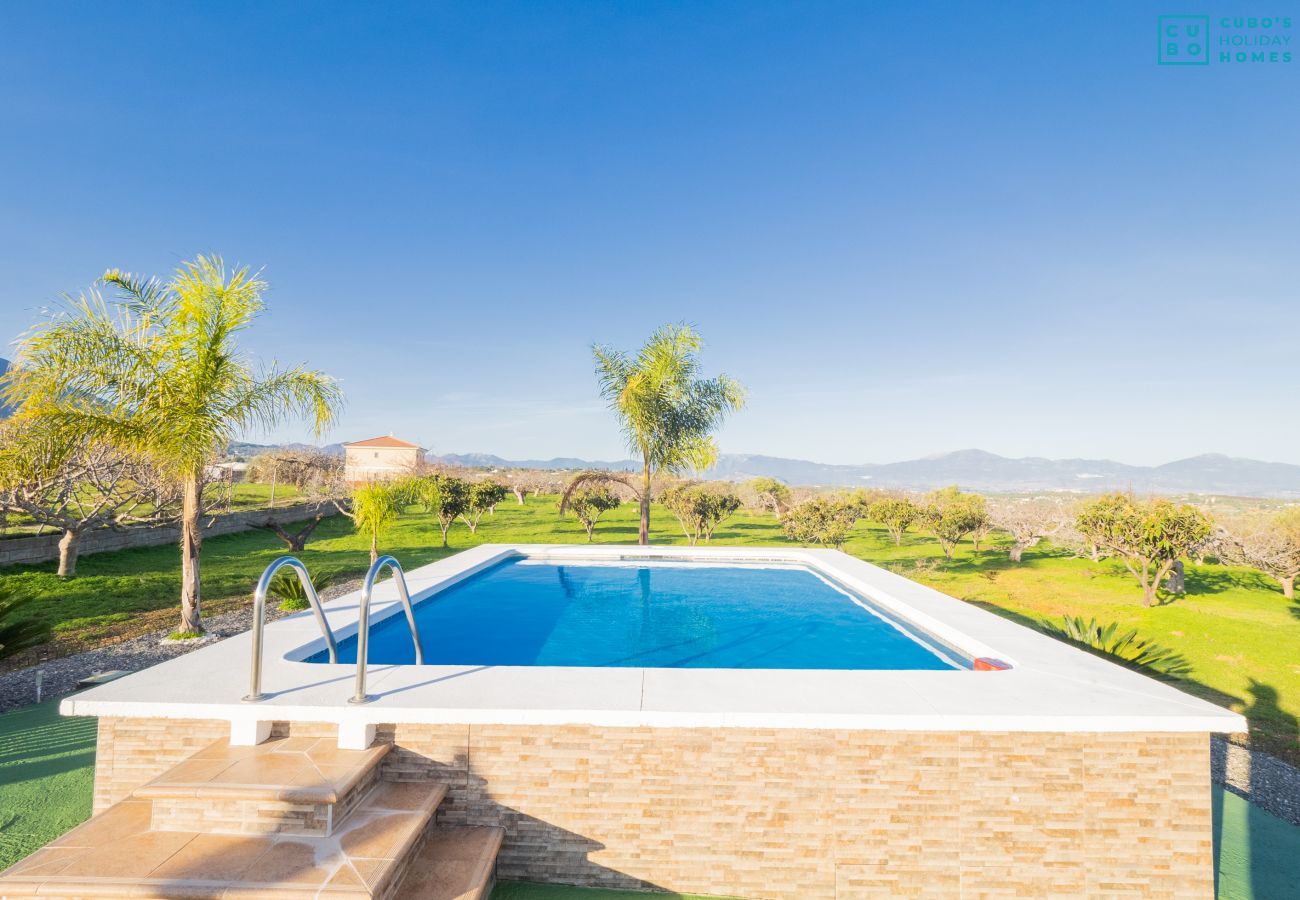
(1234, 626)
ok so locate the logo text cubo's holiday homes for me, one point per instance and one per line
(1199, 40)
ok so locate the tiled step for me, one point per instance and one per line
(297, 786)
(456, 862)
(118, 854)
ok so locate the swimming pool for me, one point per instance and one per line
(652, 614)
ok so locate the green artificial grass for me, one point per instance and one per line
(1234, 626)
(1257, 855)
(47, 772)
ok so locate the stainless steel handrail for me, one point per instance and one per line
(363, 623)
(259, 618)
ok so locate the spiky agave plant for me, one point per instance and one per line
(287, 588)
(1123, 647)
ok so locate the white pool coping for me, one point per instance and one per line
(1051, 686)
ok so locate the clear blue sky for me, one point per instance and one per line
(907, 227)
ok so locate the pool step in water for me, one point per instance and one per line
(355, 835)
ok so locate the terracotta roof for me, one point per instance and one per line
(388, 441)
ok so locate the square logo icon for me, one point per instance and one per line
(1184, 40)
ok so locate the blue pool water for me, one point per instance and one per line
(655, 615)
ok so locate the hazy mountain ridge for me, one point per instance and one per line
(978, 470)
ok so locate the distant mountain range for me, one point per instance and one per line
(977, 470)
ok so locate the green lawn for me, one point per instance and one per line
(47, 767)
(1234, 625)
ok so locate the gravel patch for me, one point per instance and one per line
(60, 676)
(1266, 781)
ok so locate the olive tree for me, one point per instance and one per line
(1269, 542)
(1028, 522)
(483, 497)
(951, 515)
(445, 497)
(700, 509)
(589, 504)
(897, 514)
(772, 493)
(822, 520)
(1147, 536)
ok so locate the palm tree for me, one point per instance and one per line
(374, 508)
(160, 375)
(667, 412)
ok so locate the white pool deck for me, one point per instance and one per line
(1051, 686)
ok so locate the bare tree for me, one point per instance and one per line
(79, 487)
(1269, 542)
(319, 480)
(1028, 522)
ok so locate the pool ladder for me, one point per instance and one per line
(363, 623)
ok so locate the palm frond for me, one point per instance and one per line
(593, 477)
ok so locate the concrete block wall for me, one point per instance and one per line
(795, 814)
(45, 547)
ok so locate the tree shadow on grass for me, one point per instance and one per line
(1217, 580)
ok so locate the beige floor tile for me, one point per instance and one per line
(134, 856)
(193, 771)
(290, 862)
(222, 750)
(125, 818)
(46, 861)
(212, 857)
(346, 878)
(272, 770)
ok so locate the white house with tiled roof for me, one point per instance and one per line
(380, 459)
